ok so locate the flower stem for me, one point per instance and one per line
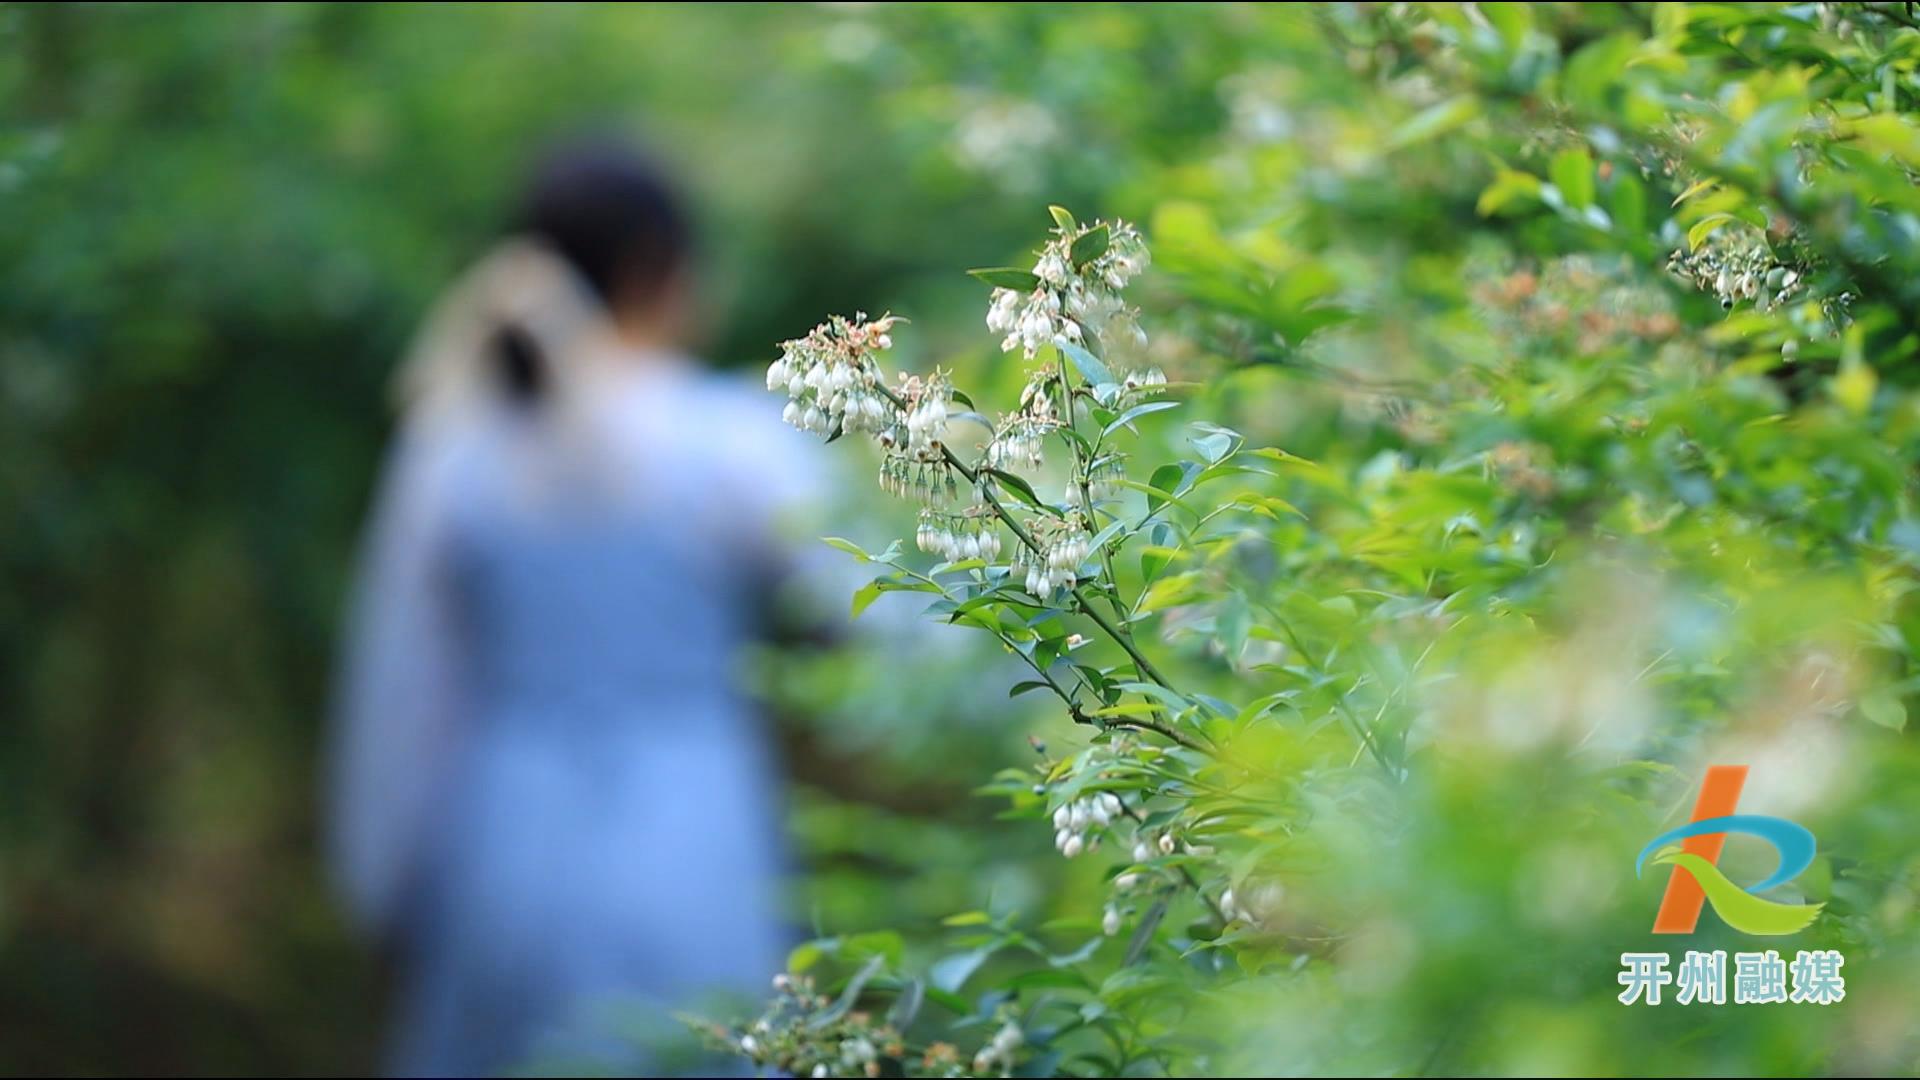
(1143, 665)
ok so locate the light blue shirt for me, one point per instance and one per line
(546, 790)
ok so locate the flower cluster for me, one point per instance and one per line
(1143, 847)
(1736, 270)
(1143, 382)
(799, 1036)
(957, 536)
(997, 1055)
(805, 1033)
(929, 481)
(1064, 544)
(1074, 822)
(1254, 904)
(830, 378)
(942, 1059)
(1104, 475)
(1017, 440)
(1076, 293)
(929, 401)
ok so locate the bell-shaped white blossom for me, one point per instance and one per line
(1073, 300)
(831, 379)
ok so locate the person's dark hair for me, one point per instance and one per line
(609, 211)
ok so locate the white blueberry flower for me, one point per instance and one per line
(831, 379)
(951, 536)
(1003, 311)
(858, 1051)
(1110, 923)
(1264, 903)
(1738, 264)
(999, 1051)
(1072, 301)
(929, 402)
(1104, 476)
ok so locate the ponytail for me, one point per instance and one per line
(518, 363)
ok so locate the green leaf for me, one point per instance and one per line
(885, 945)
(849, 547)
(1512, 20)
(1130, 708)
(1165, 479)
(1126, 418)
(804, 956)
(1509, 186)
(1628, 205)
(950, 1001)
(1596, 70)
(1089, 365)
(952, 971)
(1063, 218)
(968, 918)
(1435, 121)
(1695, 188)
(845, 1002)
(1008, 277)
(1274, 453)
(1050, 977)
(1886, 709)
(1572, 173)
(1020, 488)
(1705, 227)
(1269, 505)
(906, 1007)
(1143, 934)
(1170, 591)
(1214, 442)
(1154, 559)
(866, 595)
(1089, 246)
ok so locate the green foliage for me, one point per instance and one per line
(1548, 435)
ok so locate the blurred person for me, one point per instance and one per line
(547, 795)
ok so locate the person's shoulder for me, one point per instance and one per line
(735, 394)
(748, 431)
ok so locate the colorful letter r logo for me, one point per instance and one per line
(1697, 878)
(1719, 797)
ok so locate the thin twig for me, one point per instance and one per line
(1125, 641)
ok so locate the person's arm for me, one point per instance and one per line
(396, 697)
